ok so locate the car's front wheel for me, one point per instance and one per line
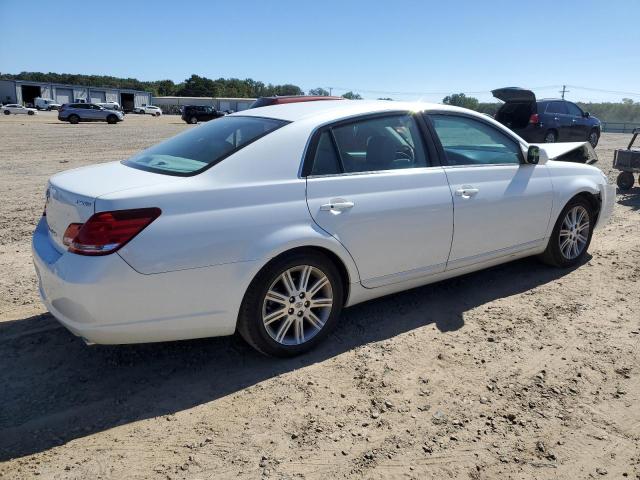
(593, 138)
(291, 305)
(112, 119)
(193, 120)
(7, 112)
(571, 234)
(30, 112)
(74, 119)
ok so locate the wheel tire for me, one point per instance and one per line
(554, 255)
(251, 325)
(157, 114)
(112, 119)
(7, 112)
(593, 138)
(625, 180)
(193, 120)
(30, 113)
(74, 119)
(550, 137)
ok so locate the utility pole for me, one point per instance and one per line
(564, 90)
(330, 90)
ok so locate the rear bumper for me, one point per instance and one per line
(104, 300)
(532, 133)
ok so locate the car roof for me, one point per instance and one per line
(339, 108)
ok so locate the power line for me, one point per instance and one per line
(616, 92)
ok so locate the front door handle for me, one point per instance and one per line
(467, 192)
(337, 205)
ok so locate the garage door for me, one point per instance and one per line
(98, 97)
(64, 95)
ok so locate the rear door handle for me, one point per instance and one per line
(467, 192)
(337, 205)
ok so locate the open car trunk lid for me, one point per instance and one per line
(71, 195)
(514, 94)
(519, 105)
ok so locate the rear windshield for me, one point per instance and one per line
(203, 146)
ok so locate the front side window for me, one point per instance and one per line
(203, 146)
(467, 141)
(368, 145)
(574, 110)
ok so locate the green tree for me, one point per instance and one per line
(461, 100)
(319, 91)
(352, 96)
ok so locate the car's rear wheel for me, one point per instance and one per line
(30, 112)
(111, 119)
(291, 305)
(193, 120)
(625, 180)
(74, 119)
(571, 234)
(550, 137)
(7, 112)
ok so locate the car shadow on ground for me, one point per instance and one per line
(56, 389)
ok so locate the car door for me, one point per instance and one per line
(559, 116)
(376, 187)
(579, 124)
(501, 205)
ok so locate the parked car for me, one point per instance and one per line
(88, 112)
(547, 120)
(200, 113)
(270, 221)
(150, 109)
(266, 101)
(45, 104)
(15, 109)
(110, 105)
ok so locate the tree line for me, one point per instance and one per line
(625, 111)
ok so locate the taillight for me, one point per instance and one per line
(106, 232)
(534, 118)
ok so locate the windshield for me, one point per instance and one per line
(202, 147)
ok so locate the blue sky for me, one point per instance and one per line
(402, 49)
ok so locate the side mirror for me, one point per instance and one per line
(586, 114)
(533, 155)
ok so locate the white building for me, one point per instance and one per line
(24, 92)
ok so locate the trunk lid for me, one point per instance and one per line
(71, 195)
(514, 94)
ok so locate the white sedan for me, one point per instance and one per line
(271, 220)
(150, 109)
(15, 109)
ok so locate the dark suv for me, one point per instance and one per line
(266, 101)
(546, 120)
(200, 113)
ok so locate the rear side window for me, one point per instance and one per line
(557, 107)
(201, 147)
(466, 141)
(369, 145)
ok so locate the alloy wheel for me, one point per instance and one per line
(574, 232)
(593, 139)
(297, 305)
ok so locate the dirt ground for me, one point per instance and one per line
(521, 371)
